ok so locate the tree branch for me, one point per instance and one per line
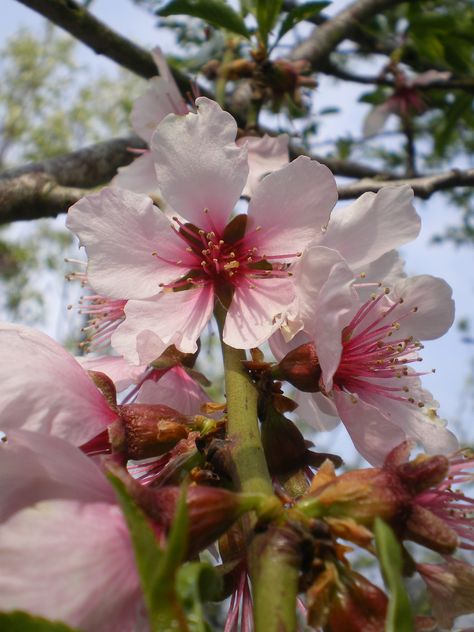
(76, 20)
(325, 38)
(33, 196)
(423, 186)
(86, 167)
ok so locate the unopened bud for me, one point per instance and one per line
(150, 429)
(301, 368)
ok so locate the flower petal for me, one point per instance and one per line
(35, 467)
(171, 318)
(120, 372)
(162, 98)
(316, 410)
(373, 435)
(120, 231)
(70, 561)
(199, 166)
(428, 305)
(256, 311)
(372, 225)
(139, 176)
(291, 205)
(176, 389)
(44, 389)
(265, 155)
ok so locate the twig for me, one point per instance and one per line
(325, 38)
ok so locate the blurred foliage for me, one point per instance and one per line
(49, 104)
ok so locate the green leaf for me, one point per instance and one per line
(267, 14)
(23, 622)
(147, 552)
(389, 552)
(298, 14)
(197, 582)
(216, 12)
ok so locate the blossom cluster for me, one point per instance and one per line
(205, 221)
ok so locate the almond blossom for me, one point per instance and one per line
(365, 350)
(65, 550)
(171, 271)
(162, 98)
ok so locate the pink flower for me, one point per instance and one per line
(65, 550)
(172, 270)
(46, 390)
(405, 101)
(162, 98)
(365, 349)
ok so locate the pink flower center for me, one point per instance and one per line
(219, 259)
(372, 355)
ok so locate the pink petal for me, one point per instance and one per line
(120, 231)
(372, 225)
(35, 467)
(199, 166)
(162, 98)
(171, 318)
(120, 372)
(139, 176)
(373, 435)
(265, 155)
(291, 205)
(432, 299)
(44, 389)
(176, 389)
(316, 410)
(387, 270)
(256, 311)
(73, 562)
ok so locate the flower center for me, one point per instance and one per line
(372, 355)
(229, 258)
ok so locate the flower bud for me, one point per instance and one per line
(150, 429)
(301, 368)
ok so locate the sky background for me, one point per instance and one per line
(450, 356)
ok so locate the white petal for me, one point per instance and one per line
(372, 225)
(199, 166)
(120, 231)
(256, 311)
(265, 155)
(372, 433)
(291, 205)
(432, 299)
(171, 318)
(72, 562)
(316, 410)
(375, 120)
(44, 389)
(161, 98)
(139, 176)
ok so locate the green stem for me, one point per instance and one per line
(273, 569)
(275, 581)
(242, 423)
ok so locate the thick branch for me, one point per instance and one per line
(86, 167)
(35, 195)
(75, 19)
(423, 187)
(325, 38)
